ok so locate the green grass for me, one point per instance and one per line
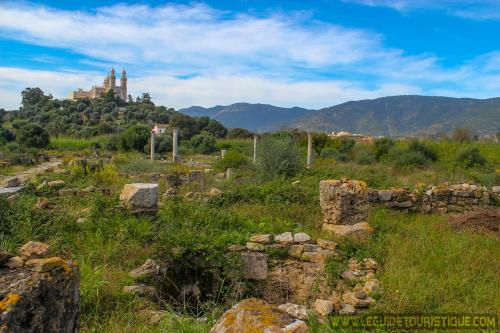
(431, 268)
(426, 265)
(72, 144)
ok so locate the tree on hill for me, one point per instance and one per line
(33, 136)
(34, 96)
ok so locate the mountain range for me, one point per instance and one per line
(395, 116)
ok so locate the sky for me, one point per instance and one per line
(307, 53)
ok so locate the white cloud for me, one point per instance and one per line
(191, 36)
(201, 90)
(472, 9)
(195, 55)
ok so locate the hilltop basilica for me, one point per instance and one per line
(109, 83)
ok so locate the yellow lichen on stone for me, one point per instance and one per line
(8, 301)
(48, 264)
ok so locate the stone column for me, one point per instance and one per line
(254, 149)
(153, 136)
(223, 153)
(174, 145)
(309, 149)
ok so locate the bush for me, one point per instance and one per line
(365, 156)
(232, 159)
(135, 137)
(279, 157)
(204, 143)
(239, 133)
(6, 135)
(471, 157)
(461, 135)
(345, 145)
(332, 153)
(407, 158)
(382, 147)
(33, 135)
(13, 147)
(426, 151)
(163, 144)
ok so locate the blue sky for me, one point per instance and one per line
(305, 53)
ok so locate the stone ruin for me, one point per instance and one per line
(299, 277)
(140, 197)
(346, 203)
(38, 293)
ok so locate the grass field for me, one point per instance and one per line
(427, 266)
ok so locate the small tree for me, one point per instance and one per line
(319, 141)
(239, 133)
(33, 135)
(382, 147)
(135, 137)
(471, 157)
(6, 135)
(279, 157)
(216, 129)
(461, 135)
(204, 143)
(422, 148)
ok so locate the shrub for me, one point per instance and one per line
(332, 153)
(365, 156)
(470, 157)
(407, 158)
(33, 135)
(346, 145)
(204, 143)
(135, 137)
(239, 133)
(427, 152)
(6, 135)
(216, 129)
(279, 157)
(232, 159)
(163, 144)
(461, 135)
(382, 147)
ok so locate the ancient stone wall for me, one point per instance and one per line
(347, 202)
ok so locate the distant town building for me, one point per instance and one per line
(353, 136)
(160, 128)
(109, 83)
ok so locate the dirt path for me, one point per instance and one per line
(25, 175)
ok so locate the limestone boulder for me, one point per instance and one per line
(147, 270)
(295, 310)
(263, 239)
(255, 246)
(301, 237)
(361, 229)
(14, 262)
(56, 183)
(12, 182)
(256, 316)
(327, 244)
(347, 309)
(255, 265)
(141, 290)
(140, 197)
(296, 251)
(323, 307)
(32, 301)
(33, 250)
(285, 238)
(215, 192)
